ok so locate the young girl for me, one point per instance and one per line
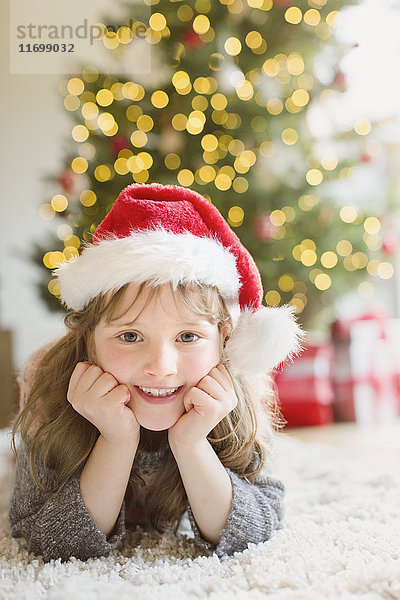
(157, 400)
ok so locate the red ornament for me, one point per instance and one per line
(366, 157)
(68, 180)
(390, 243)
(282, 3)
(118, 143)
(263, 228)
(340, 81)
(191, 39)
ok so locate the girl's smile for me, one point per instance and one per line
(159, 349)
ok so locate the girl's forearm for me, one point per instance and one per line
(104, 481)
(208, 487)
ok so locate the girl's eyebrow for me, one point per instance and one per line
(180, 324)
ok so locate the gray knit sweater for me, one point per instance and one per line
(63, 527)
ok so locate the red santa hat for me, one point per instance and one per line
(166, 233)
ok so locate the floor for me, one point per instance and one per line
(349, 434)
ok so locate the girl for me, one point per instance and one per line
(156, 401)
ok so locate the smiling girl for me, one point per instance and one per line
(157, 400)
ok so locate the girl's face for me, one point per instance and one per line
(159, 349)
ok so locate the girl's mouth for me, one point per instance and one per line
(157, 395)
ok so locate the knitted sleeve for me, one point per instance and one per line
(256, 511)
(61, 527)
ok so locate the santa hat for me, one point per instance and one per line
(166, 233)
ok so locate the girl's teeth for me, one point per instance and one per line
(155, 392)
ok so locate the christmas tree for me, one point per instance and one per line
(227, 113)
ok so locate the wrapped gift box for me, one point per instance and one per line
(366, 368)
(305, 387)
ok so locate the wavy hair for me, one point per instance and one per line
(60, 439)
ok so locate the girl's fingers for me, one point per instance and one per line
(103, 384)
(76, 376)
(221, 375)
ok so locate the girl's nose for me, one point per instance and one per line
(161, 361)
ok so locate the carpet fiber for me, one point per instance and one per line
(340, 539)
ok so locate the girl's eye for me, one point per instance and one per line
(129, 336)
(188, 337)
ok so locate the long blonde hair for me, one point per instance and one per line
(59, 438)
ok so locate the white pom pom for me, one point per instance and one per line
(264, 339)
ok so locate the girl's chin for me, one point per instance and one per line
(158, 422)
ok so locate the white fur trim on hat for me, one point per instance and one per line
(157, 256)
(264, 339)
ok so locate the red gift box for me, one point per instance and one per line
(366, 368)
(305, 388)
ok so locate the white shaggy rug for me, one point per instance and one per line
(340, 539)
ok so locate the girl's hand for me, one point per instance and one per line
(99, 398)
(206, 405)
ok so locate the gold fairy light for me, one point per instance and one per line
(141, 177)
(293, 15)
(360, 260)
(329, 162)
(373, 242)
(71, 103)
(145, 123)
(104, 97)
(172, 161)
(323, 281)
(232, 46)
(362, 126)
(195, 122)
(272, 297)
(90, 74)
(207, 173)
(201, 24)
(348, 214)
(185, 13)
(64, 231)
(121, 166)
(102, 173)
(135, 164)
(271, 67)
(181, 82)
(157, 21)
(222, 182)
(329, 259)
(331, 18)
(277, 218)
(372, 225)
(179, 121)
(372, 267)
(385, 270)
(51, 260)
(133, 91)
(300, 97)
(314, 176)
(240, 185)
(110, 40)
(307, 202)
(54, 287)
(289, 136)
(70, 252)
(295, 64)
(200, 103)
(274, 106)
(312, 17)
(286, 283)
(209, 142)
(106, 122)
(79, 164)
(75, 86)
(185, 177)
(87, 198)
(235, 216)
(138, 139)
(308, 258)
(344, 248)
(159, 99)
(80, 133)
(218, 101)
(90, 110)
(245, 90)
